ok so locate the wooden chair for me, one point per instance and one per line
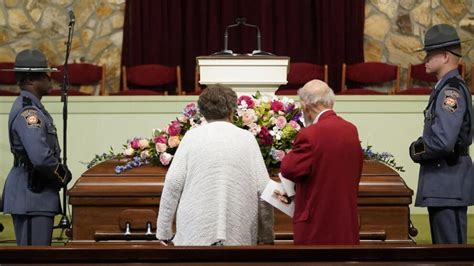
(417, 73)
(299, 74)
(81, 74)
(368, 74)
(197, 87)
(151, 79)
(7, 78)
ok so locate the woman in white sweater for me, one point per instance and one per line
(214, 182)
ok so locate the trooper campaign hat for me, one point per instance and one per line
(31, 60)
(440, 36)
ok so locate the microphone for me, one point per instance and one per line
(72, 18)
(259, 50)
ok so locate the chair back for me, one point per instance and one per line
(370, 73)
(299, 74)
(152, 77)
(81, 74)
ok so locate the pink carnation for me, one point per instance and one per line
(295, 125)
(247, 100)
(280, 122)
(276, 106)
(165, 158)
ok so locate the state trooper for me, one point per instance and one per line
(31, 191)
(446, 177)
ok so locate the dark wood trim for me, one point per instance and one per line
(160, 254)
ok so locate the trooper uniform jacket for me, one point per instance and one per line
(29, 188)
(446, 174)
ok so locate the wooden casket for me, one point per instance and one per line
(108, 208)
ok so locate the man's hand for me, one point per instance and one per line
(416, 150)
(282, 196)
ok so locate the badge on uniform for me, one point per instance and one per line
(31, 118)
(450, 102)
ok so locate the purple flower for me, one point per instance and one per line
(290, 107)
(297, 116)
(190, 110)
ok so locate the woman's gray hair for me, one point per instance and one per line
(217, 102)
(317, 92)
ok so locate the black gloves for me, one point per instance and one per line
(417, 149)
(63, 174)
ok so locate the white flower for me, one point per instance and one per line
(143, 143)
(144, 154)
(129, 151)
(249, 116)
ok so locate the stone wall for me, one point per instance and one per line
(43, 24)
(395, 28)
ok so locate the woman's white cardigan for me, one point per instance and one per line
(214, 185)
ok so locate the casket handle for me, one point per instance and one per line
(127, 229)
(148, 229)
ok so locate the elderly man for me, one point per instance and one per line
(326, 164)
(446, 181)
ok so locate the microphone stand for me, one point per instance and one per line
(259, 50)
(238, 22)
(64, 223)
(226, 51)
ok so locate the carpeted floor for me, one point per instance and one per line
(7, 237)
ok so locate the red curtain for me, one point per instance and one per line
(175, 32)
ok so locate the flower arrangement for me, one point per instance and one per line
(273, 121)
(383, 157)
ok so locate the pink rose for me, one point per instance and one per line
(174, 128)
(173, 141)
(165, 158)
(280, 122)
(135, 144)
(295, 125)
(276, 105)
(161, 147)
(160, 139)
(248, 117)
(246, 101)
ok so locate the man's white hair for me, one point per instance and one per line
(317, 92)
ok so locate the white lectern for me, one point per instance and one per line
(244, 74)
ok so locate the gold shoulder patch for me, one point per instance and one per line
(31, 118)
(450, 102)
